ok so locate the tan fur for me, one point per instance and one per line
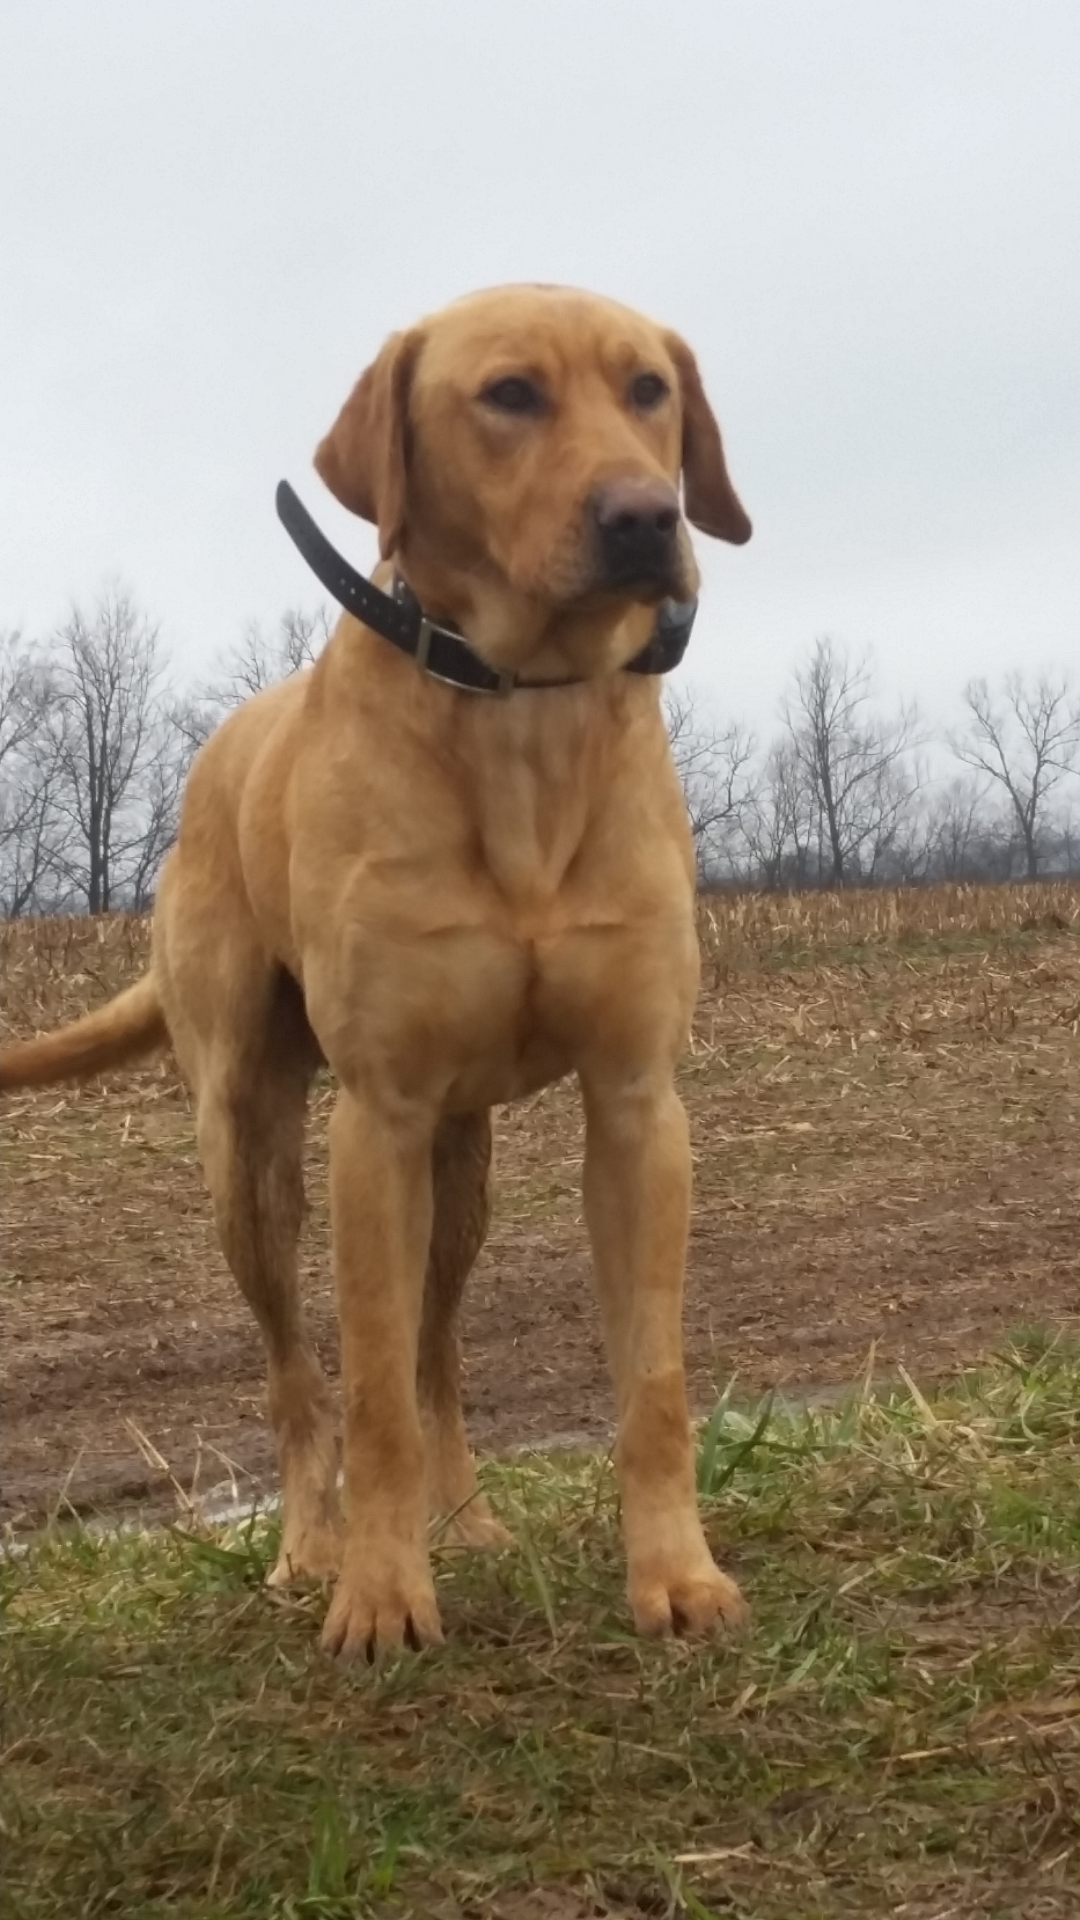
(131, 1024)
(454, 900)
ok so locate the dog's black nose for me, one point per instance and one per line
(636, 522)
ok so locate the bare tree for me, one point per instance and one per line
(194, 718)
(859, 777)
(1069, 841)
(778, 826)
(715, 765)
(29, 826)
(260, 659)
(959, 835)
(163, 788)
(17, 673)
(1026, 740)
(120, 759)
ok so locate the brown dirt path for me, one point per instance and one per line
(886, 1139)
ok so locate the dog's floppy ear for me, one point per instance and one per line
(711, 501)
(363, 457)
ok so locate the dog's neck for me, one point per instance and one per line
(516, 633)
(542, 776)
(537, 775)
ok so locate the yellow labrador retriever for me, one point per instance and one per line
(455, 900)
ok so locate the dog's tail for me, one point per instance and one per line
(131, 1024)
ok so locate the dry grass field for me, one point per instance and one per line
(884, 1092)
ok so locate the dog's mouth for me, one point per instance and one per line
(642, 578)
(646, 585)
(607, 591)
(578, 590)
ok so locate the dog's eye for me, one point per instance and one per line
(513, 395)
(647, 391)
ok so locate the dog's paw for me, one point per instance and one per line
(307, 1553)
(694, 1601)
(379, 1608)
(473, 1525)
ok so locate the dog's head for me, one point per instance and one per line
(521, 454)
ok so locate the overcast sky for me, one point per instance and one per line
(863, 214)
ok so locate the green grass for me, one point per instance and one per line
(899, 1733)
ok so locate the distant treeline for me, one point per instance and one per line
(95, 743)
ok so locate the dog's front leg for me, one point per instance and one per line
(637, 1203)
(381, 1213)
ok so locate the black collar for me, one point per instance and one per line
(441, 651)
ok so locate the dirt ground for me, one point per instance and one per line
(886, 1124)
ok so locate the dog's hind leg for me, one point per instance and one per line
(460, 1160)
(250, 1067)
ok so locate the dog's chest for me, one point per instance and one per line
(531, 817)
(534, 995)
(535, 910)
(513, 1017)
